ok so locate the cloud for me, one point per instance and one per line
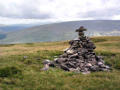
(106, 13)
(9, 21)
(59, 9)
(23, 9)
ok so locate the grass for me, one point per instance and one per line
(20, 66)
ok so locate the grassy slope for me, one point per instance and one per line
(31, 78)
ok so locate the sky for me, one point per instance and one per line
(42, 11)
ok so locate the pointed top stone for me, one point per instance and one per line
(81, 29)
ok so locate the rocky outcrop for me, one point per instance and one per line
(79, 57)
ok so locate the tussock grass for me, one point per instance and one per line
(27, 58)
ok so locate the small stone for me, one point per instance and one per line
(88, 64)
(75, 70)
(107, 67)
(100, 63)
(61, 60)
(88, 72)
(25, 57)
(102, 66)
(94, 68)
(64, 55)
(69, 51)
(65, 49)
(104, 69)
(74, 55)
(46, 67)
(64, 67)
(46, 62)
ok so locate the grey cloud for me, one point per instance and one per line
(26, 11)
(101, 14)
(32, 13)
(31, 9)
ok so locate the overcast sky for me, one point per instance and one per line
(31, 11)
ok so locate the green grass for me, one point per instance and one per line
(6, 45)
(19, 73)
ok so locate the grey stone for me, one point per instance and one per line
(100, 63)
(88, 72)
(25, 57)
(45, 68)
(89, 65)
(46, 62)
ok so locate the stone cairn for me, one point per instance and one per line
(79, 57)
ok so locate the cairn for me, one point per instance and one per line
(79, 57)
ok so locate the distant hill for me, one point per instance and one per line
(62, 31)
(16, 27)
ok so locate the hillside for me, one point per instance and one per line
(20, 67)
(15, 27)
(62, 31)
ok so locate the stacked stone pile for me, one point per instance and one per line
(79, 57)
